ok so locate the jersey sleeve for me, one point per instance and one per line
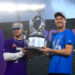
(69, 38)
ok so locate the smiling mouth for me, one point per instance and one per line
(59, 23)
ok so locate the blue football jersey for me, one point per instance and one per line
(61, 63)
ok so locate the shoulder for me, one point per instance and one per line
(68, 32)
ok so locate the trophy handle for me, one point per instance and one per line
(31, 27)
(42, 25)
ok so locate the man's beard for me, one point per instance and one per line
(17, 36)
(60, 27)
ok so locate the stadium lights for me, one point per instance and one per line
(11, 7)
(7, 7)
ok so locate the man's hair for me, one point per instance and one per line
(59, 14)
(17, 24)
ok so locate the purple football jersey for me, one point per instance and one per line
(15, 67)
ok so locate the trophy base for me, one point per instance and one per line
(34, 50)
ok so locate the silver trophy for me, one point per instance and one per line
(36, 38)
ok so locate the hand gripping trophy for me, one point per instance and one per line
(36, 38)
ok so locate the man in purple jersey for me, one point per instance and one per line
(14, 54)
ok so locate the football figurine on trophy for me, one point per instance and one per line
(36, 37)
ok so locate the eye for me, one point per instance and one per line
(61, 18)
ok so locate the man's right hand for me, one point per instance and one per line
(24, 50)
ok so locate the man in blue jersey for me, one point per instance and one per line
(14, 53)
(61, 48)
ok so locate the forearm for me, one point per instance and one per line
(12, 56)
(61, 52)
